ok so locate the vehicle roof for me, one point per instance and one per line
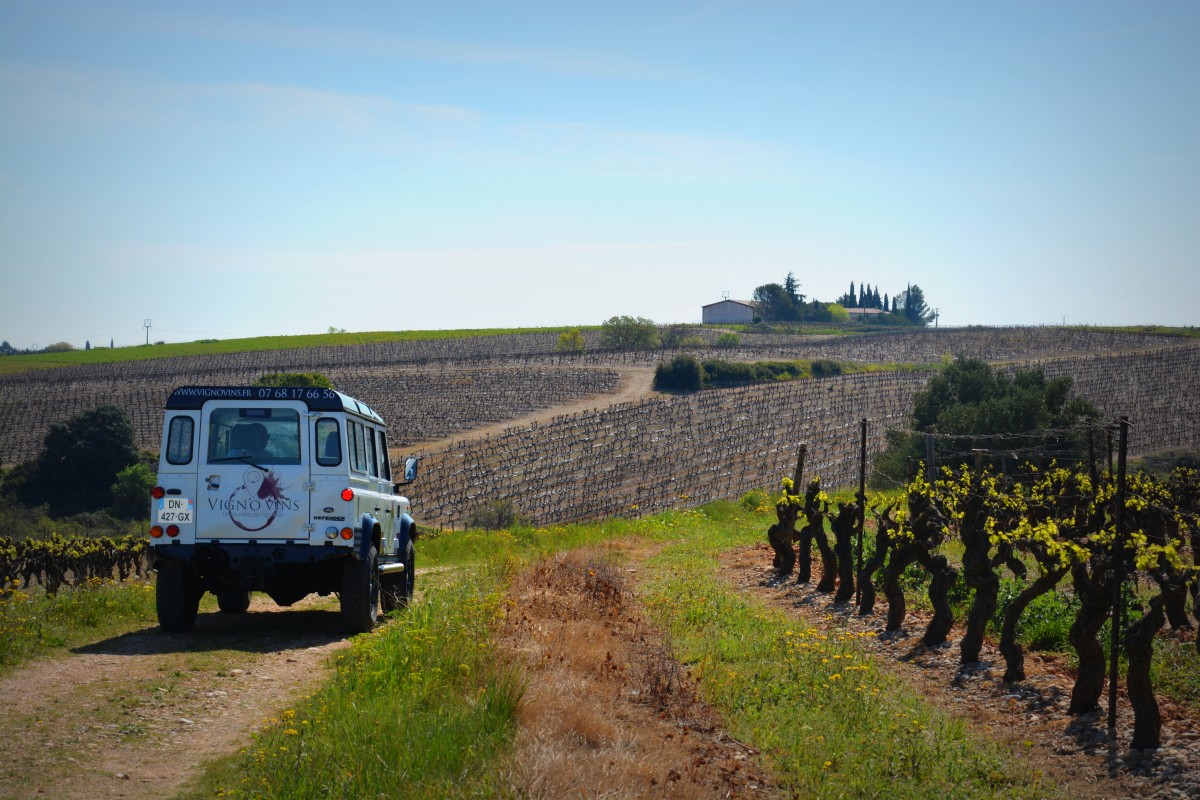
(194, 397)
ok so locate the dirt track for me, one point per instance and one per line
(134, 716)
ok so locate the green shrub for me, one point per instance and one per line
(570, 341)
(755, 500)
(825, 368)
(495, 515)
(292, 379)
(131, 492)
(1046, 621)
(681, 374)
(728, 340)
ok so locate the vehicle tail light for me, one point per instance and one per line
(347, 494)
(347, 533)
(156, 532)
(157, 492)
(172, 531)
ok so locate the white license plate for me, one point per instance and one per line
(177, 510)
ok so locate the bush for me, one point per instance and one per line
(293, 379)
(84, 453)
(628, 333)
(131, 492)
(728, 340)
(570, 342)
(680, 374)
(756, 500)
(1045, 623)
(825, 368)
(495, 515)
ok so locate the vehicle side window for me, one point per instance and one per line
(179, 440)
(329, 442)
(358, 450)
(385, 463)
(372, 467)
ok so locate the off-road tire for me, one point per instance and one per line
(360, 592)
(396, 591)
(176, 596)
(233, 601)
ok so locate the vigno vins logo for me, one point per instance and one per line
(254, 504)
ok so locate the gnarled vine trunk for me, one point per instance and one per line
(944, 576)
(844, 526)
(1139, 648)
(829, 561)
(1094, 589)
(902, 556)
(979, 575)
(866, 583)
(1014, 656)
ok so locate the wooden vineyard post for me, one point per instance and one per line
(799, 473)
(1119, 576)
(862, 508)
(930, 470)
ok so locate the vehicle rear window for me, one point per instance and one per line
(179, 440)
(259, 435)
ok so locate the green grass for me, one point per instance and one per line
(423, 708)
(33, 623)
(105, 355)
(1161, 330)
(1175, 671)
(832, 721)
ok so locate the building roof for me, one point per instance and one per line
(746, 303)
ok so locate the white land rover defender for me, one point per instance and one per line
(287, 491)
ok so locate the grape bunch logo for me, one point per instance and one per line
(254, 505)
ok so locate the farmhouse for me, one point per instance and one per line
(864, 314)
(728, 312)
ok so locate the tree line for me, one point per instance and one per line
(783, 302)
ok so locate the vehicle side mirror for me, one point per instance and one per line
(410, 471)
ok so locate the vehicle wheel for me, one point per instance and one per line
(360, 592)
(396, 591)
(176, 596)
(233, 601)
(410, 573)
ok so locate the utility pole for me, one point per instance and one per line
(146, 325)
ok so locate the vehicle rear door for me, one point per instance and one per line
(253, 471)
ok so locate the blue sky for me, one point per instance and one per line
(232, 169)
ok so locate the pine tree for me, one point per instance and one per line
(789, 286)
